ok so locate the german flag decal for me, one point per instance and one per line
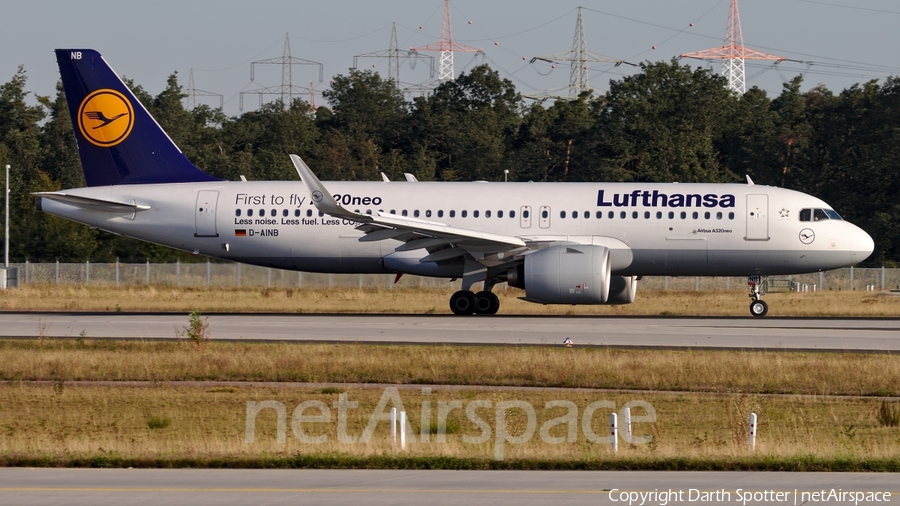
(240, 232)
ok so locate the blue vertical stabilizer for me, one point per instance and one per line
(118, 140)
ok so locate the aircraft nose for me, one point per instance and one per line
(862, 245)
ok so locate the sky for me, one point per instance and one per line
(836, 43)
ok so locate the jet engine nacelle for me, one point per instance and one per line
(568, 274)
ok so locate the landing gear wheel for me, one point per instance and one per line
(759, 308)
(486, 303)
(462, 303)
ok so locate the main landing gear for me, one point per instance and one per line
(758, 307)
(485, 302)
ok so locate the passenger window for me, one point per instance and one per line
(574, 214)
(249, 212)
(683, 215)
(475, 213)
(706, 215)
(296, 213)
(404, 213)
(237, 212)
(512, 214)
(658, 215)
(428, 213)
(499, 214)
(730, 216)
(440, 213)
(274, 213)
(719, 215)
(525, 214)
(562, 214)
(284, 212)
(695, 215)
(464, 213)
(587, 215)
(321, 214)
(393, 211)
(646, 215)
(309, 213)
(599, 215)
(819, 215)
(634, 215)
(453, 214)
(623, 214)
(416, 213)
(262, 212)
(612, 215)
(369, 212)
(487, 214)
(545, 214)
(671, 215)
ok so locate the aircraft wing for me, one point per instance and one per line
(417, 234)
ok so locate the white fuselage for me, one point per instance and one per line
(670, 229)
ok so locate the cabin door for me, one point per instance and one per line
(205, 213)
(757, 218)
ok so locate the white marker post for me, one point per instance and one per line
(614, 433)
(752, 437)
(393, 426)
(403, 430)
(626, 421)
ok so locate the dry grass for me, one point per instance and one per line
(53, 422)
(671, 370)
(425, 300)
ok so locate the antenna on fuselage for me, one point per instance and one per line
(749, 181)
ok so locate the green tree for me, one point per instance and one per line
(467, 125)
(662, 124)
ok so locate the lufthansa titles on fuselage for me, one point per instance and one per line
(655, 198)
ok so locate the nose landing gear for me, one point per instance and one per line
(758, 307)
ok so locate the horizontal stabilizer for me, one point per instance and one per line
(91, 203)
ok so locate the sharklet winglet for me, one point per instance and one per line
(320, 196)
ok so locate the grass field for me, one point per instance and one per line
(551, 366)
(700, 424)
(99, 425)
(422, 300)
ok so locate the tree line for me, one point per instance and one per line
(668, 122)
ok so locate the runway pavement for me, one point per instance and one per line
(877, 334)
(435, 488)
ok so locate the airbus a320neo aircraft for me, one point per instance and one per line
(563, 243)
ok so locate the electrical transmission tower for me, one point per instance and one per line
(287, 90)
(395, 56)
(579, 57)
(192, 94)
(733, 52)
(446, 47)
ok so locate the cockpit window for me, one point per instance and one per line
(819, 215)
